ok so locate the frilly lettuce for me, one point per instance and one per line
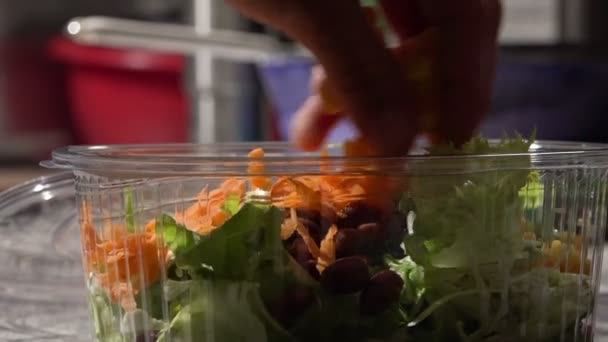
(468, 260)
(103, 313)
(470, 217)
(223, 311)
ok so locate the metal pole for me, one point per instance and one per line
(201, 79)
(214, 83)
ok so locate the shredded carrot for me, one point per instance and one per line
(328, 249)
(566, 256)
(292, 193)
(305, 234)
(312, 192)
(123, 262)
(219, 218)
(289, 226)
(124, 295)
(207, 214)
(257, 153)
(232, 187)
(258, 182)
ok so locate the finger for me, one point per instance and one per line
(317, 77)
(332, 101)
(394, 130)
(387, 130)
(364, 74)
(465, 57)
(467, 53)
(332, 30)
(311, 126)
(405, 17)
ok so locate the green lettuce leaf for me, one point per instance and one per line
(232, 205)
(224, 311)
(413, 278)
(105, 315)
(176, 236)
(533, 194)
(130, 212)
(468, 261)
(233, 250)
(471, 217)
(164, 295)
(138, 323)
(247, 249)
(339, 318)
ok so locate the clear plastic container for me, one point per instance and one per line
(41, 291)
(212, 243)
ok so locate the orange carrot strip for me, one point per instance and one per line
(309, 241)
(288, 228)
(258, 182)
(328, 249)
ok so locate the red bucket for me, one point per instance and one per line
(124, 96)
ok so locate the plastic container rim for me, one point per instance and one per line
(232, 158)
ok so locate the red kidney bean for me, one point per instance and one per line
(311, 268)
(313, 228)
(291, 305)
(373, 235)
(328, 217)
(346, 276)
(395, 234)
(349, 242)
(357, 214)
(383, 290)
(396, 226)
(309, 214)
(371, 231)
(317, 222)
(299, 251)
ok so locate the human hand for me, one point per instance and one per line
(372, 84)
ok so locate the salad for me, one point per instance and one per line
(340, 257)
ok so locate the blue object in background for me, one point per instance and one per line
(562, 100)
(286, 82)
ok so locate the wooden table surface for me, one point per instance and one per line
(13, 175)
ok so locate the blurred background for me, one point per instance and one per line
(55, 92)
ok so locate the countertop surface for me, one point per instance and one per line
(14, 175)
